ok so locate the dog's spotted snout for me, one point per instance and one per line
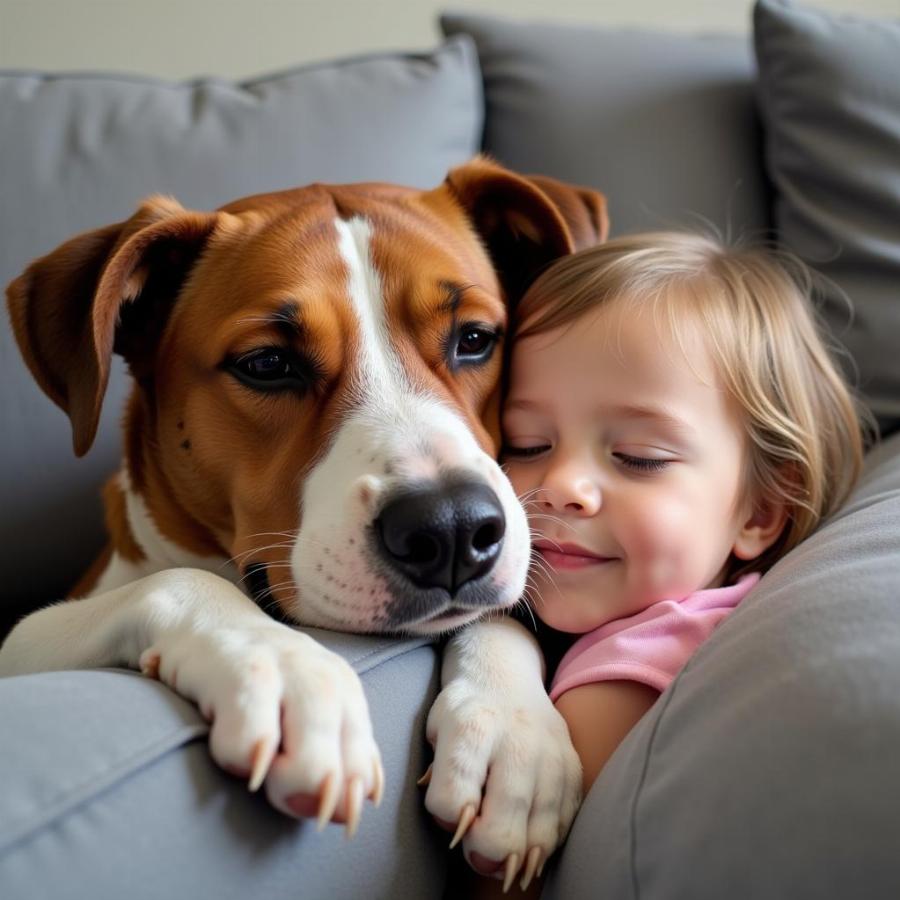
(442, 536)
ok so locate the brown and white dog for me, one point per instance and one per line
(315, 408)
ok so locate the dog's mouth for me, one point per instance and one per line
(451, 612)
(447, 619)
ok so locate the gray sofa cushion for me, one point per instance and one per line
(664, 124)
(108, 791)
(80, 151)
(829, 91)
(769, 768)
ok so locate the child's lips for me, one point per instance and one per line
(569, 556)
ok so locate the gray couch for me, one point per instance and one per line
(770, 767)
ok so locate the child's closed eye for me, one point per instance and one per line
(523, 452)
(642, 464)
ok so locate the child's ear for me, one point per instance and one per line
(761, 528)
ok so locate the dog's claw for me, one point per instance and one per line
(512, 867)
(378, 786)
(149, 663)
(426, 778)
(531, 864)
(328, 801)
(260, 760)
(465, 820)
(354, 804)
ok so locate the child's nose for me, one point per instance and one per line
(571, 489)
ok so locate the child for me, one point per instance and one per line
(674, 425)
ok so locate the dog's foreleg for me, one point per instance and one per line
(260, 683)
(504, 766)
(115, 627)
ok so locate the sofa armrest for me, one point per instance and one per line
(107, 790)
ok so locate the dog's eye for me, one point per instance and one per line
(474, 344)
(272, 369)
(267, 366)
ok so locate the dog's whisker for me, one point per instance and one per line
(529, 598)
(548, 540)
(546, 573)
(549, 578)
(239, 556)
(281, 584)
(287, 534)
(263, 547)
(530, 613)
(556, 519)
(536, 593)
(524, 604)
(253, 567)
(538, 561)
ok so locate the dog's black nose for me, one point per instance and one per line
(442, 536)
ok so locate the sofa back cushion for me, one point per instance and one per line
(80, 152)
(829, 91)
(664, 124)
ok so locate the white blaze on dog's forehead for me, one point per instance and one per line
(378, 369)
(388, 397)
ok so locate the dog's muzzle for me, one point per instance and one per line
(442, 536)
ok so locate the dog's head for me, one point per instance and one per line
(317, 380)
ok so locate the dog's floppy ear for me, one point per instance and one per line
(66, 307)
(526, 221)
(583, 209)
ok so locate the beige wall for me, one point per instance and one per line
(236, 38)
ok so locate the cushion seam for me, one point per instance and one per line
(94, 784)
(357, 662)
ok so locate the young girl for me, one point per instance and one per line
(674, 425)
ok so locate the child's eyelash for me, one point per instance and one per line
(641, 463)
(522, 451)
(644, 464)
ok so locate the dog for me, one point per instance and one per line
(313, 429)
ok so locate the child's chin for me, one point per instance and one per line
(561, 617)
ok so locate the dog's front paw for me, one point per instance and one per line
(285, 711)
(505, 777)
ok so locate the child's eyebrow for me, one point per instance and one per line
(655, 413)
(658, 415)
(621, 411)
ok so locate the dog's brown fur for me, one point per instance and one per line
(177, 292)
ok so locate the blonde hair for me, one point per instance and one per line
(806, 430)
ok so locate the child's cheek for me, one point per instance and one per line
(663, 550)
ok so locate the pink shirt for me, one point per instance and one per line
(652, 646)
